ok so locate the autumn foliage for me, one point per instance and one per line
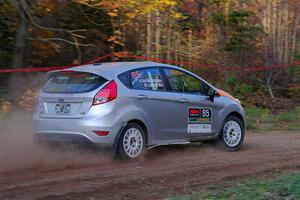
(243, 33)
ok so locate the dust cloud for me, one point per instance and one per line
(19, 150)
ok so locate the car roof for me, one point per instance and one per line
(117, 66)
(110, 69)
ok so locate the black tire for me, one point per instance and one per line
(224, 143)
(124, 153)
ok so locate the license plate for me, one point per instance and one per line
(62, 109)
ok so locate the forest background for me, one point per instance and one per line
(220, 40)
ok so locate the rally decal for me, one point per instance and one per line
(146, 81)
(199, 120)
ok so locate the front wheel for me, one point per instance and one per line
(233, 133)
(131, 142)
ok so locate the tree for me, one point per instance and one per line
(281, 37)
(7, 30)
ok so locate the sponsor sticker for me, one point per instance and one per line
(143, 80)
(135, 74)
(199, 120)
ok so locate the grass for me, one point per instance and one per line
(283, 187)
(262, 119)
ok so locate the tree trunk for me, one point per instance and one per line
(16, 83)
(294, 34)
(148, 45)
(179, 58)
(271, 46)
(276, 39)
(157, 34)
(267, 28)
(169, 39)
(21, 35)
(286, 34)
(269, 84)
(272, 33)
(177, 46)
(190, 44)
(78, 60)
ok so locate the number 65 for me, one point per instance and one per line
(205, 113)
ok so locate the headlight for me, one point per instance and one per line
(225, 94)
(237, 100)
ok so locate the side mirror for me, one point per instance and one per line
(211, 94)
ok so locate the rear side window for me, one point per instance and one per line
(73, 82)
(124, 78)
(147, 79)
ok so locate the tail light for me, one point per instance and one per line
(106, 94)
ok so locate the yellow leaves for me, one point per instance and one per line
(27, 100)
(5, 106)
(135, 8)
(145, 7)
(121, 54)
(130, 15)
(116, 39)
(178, 16)
(112, 14)
(111, 38)
(170, 3)
(118, 32)
(119, 43)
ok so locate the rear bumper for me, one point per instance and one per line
(77, 130)
(63, 138)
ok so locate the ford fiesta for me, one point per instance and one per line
(130, 106)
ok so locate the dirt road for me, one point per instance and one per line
(162, 172)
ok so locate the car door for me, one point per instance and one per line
(156, 104)
(198, 114)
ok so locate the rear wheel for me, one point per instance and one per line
(131, 142)
(233, 133)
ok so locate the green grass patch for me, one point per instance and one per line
(262, 119)
(283, 187)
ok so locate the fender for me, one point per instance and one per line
(234, 107)
(134, 115)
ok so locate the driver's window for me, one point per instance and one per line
(183, 82)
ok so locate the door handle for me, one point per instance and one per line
(183, 100)
(142, 97)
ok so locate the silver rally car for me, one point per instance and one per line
(129, 106)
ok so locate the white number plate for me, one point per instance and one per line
(62, 109)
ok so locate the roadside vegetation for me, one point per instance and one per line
(258, 118)
(282, 187)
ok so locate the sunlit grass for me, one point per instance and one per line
(262, 119)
